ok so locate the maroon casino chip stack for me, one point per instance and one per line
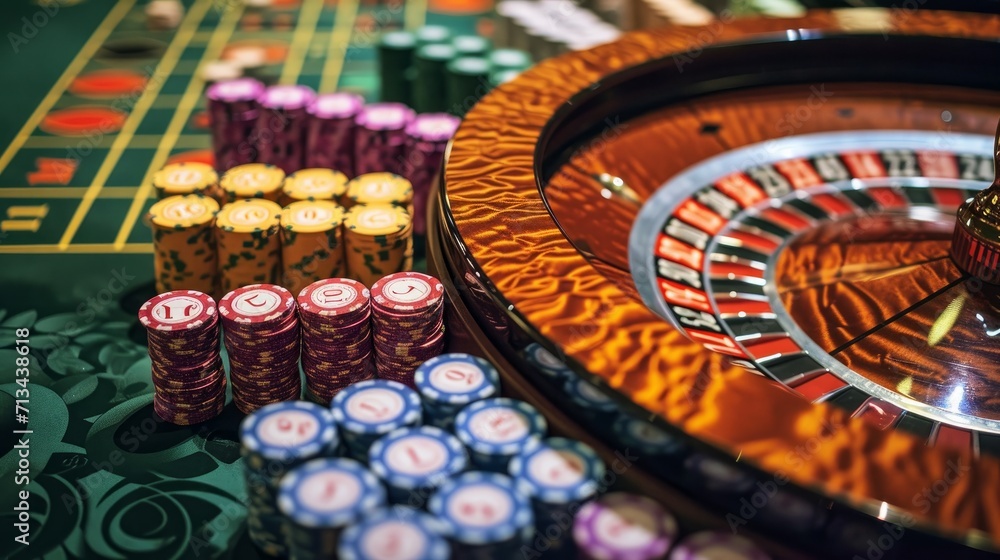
(233, 111)
(427, 138)
(189, 379)
(261, 332)
(408, 321)
(330, 135)
(281, 126)
(336, 336)
(380, 138)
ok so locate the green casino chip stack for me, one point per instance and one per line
(430, 63)
(433, 34)
(471, 45)
(395, 58)
(467, 79)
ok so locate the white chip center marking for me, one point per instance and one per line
(559, 468)
(406, 290)
(237, 88)
(311, 184)
(250, 179)
(546, 358)
(456, 377)
(256, 302)
(480, 505)
(329, 491)
(375, 218)
(185, 210)
(334, 296)
(591, 393)
(625, 526)
(288, 428)
(416, 455)
(179, 309)
(393, 540)
(385, 115)
(374, 405)
(436, 126)
(378, 189)
(249, 215)
(499, 425)
(184, 176)
(312, 216)
(335, 103)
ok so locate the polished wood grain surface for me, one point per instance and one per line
(500, 215)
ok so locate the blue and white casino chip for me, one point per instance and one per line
(279, 435)
(480, 508)
(495, 430)
(546, 361)
(376, 406)
(329, 493)
(449, 382)
(421, 457)
(395, 533)
(557, 470)
(585, 394)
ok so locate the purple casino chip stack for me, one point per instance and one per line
(427, 138)
(281, 126)
(707, 545)
(623, 526)
(233, 110)
(380, 137)
(330, 136)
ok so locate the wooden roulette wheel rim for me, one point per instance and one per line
(512, 260)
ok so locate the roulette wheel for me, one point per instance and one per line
(728, 257)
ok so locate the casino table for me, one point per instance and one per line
(724, 356)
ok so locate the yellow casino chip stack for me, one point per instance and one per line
(187, 178)
(184, 256)
(380, 188)
(252, 180)
(312, 246)
(314, 184)
(248, 243)
(378, 240)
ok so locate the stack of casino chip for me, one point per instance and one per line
(380, 137)
(320, 499)
(252, 180)
(330, 135)
(427, 138)
(313, 184)
(282, 125)
(495, 430)
(336, 336)
(585, 395)
(644, 438)
(483, 515)
(274, 440)
(408, 321)
(184, 249)
(717, 544)
(547, 363)
(233, 110)
(368, 410)
(449, 382)
(312, 245)
(188, 177)
(380, 188)
(261, 332)
(558, 474)
(623, 526)
(248, 243)
(188, 375)
(414, 461)
(395, 533)
(378, 240)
